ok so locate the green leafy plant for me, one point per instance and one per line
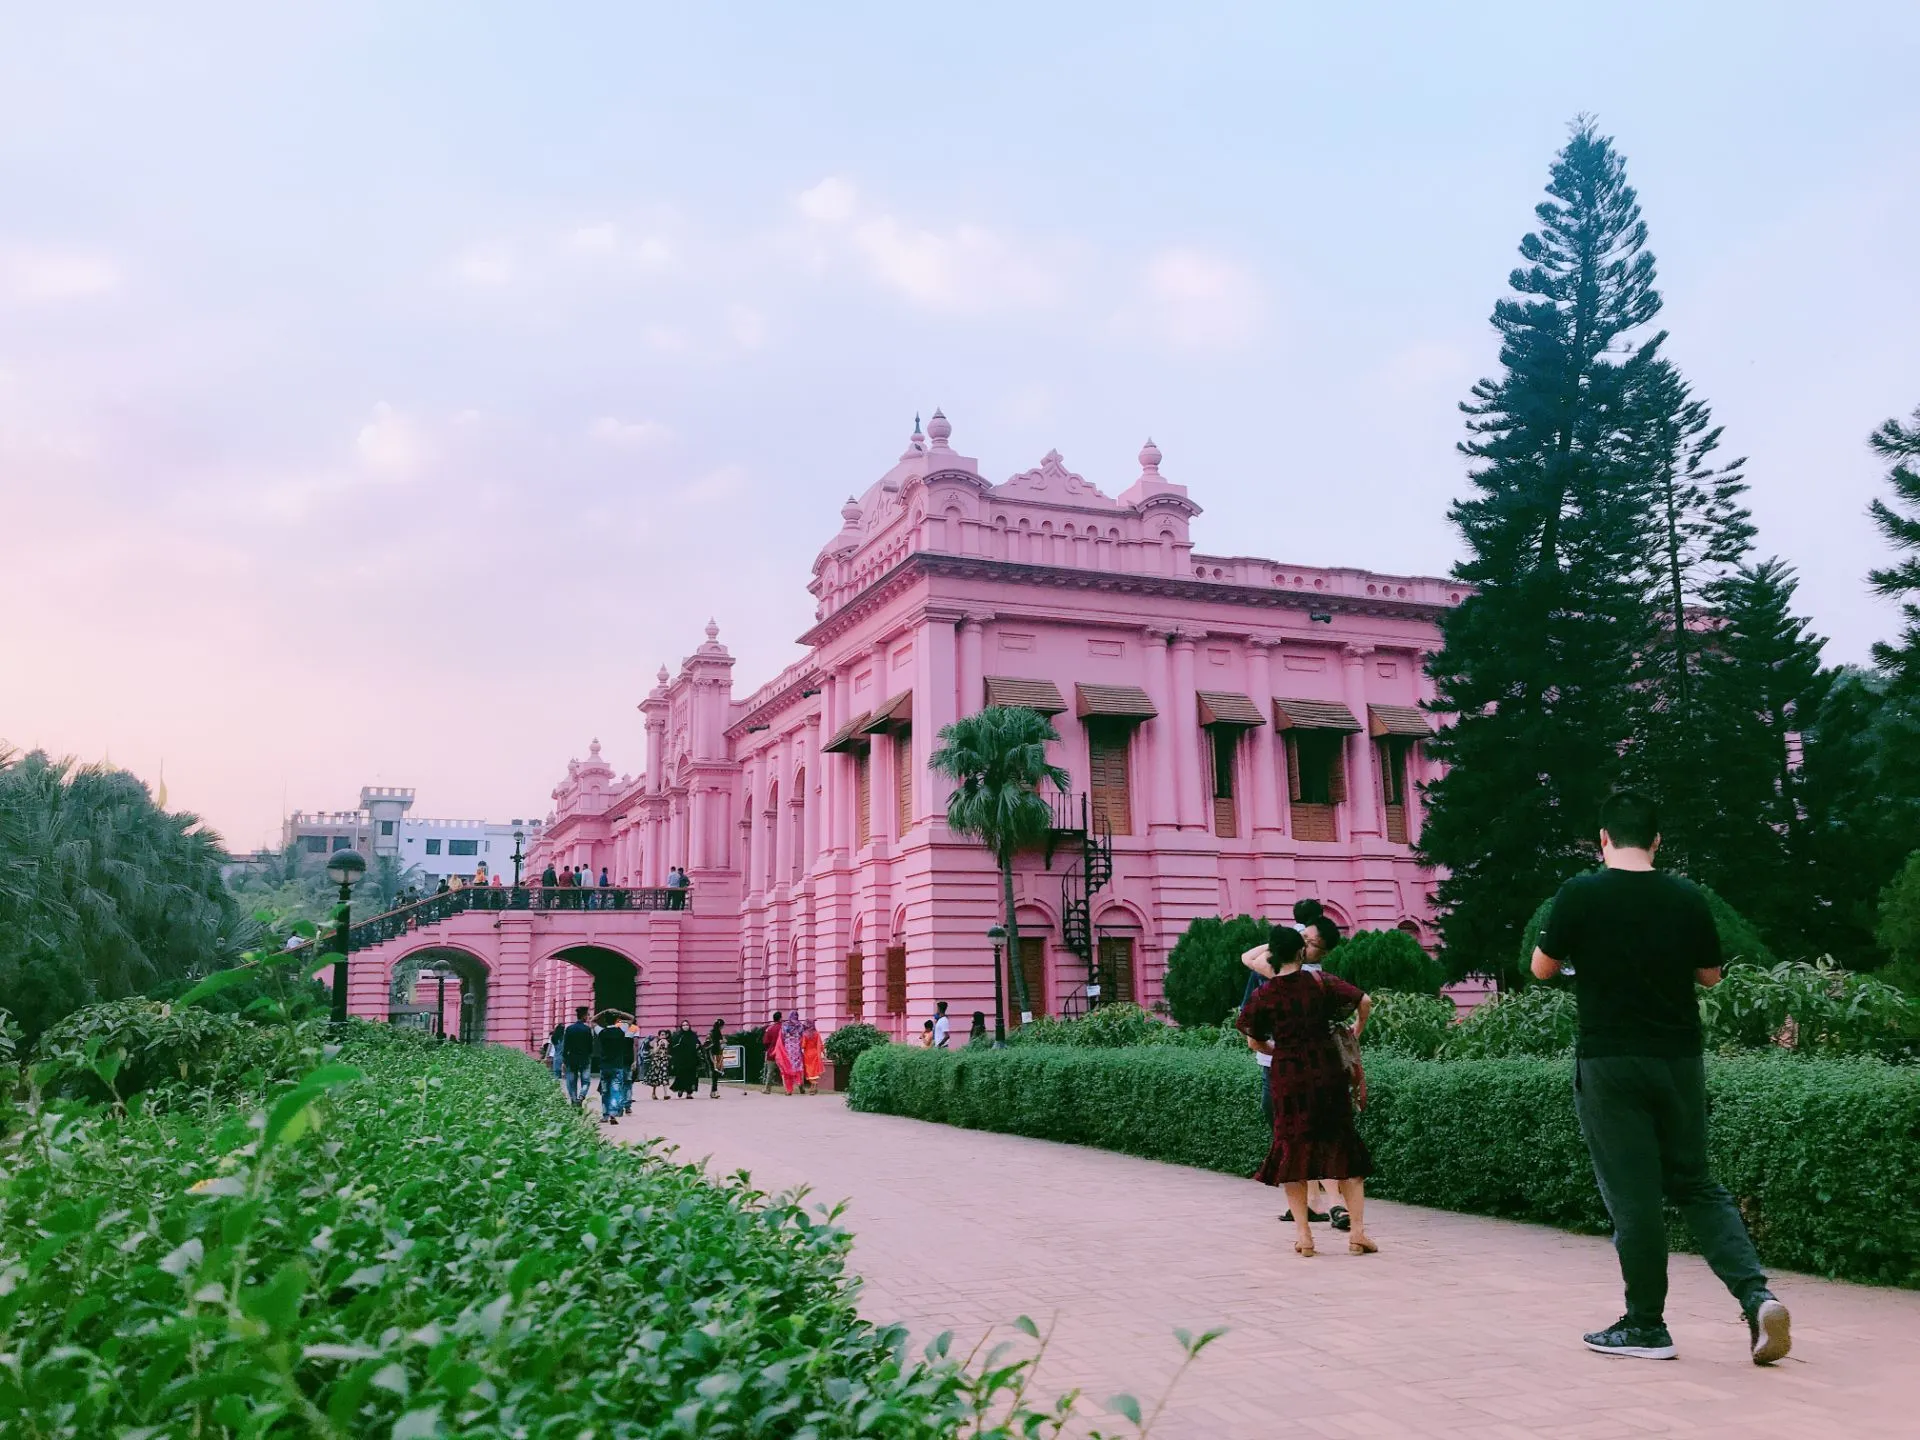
(997, 759)
(850, 1042)
(122, 1048)
(1899, 929)
(1810, 1006)
(1402, 1023)
(1493, 1137)
(1539, 1020)
(1382, 960)
(1205, 978)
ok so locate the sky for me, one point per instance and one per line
(388, 389)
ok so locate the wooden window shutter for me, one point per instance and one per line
(1116, 970)
(863, 797)
(1033, 965)
(1293, 767)
(856, 984)
(1337, 771)
(896, 980)
(1108, 777)
(903, 783)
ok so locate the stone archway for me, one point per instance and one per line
(616, 977)
(473, 974)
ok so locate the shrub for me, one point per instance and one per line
(1738, 939)
(1809, 1007)
(1381, 960)
(850, 1042)
(1205, 978)
(1898, 932)
(125, 1047)
(1107, 1026)
(1494, 1137)
(1412, 1025)
(1539, 1020)
(440, 1247)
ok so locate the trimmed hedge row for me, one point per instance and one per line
(1821, 1154)
(415, 1241)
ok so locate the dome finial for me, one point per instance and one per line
(713, 630)
(1150, 458)
(938, 429)
(663, 674)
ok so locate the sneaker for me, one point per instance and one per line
(1769, 1327)
(1643, 1342)
(1341, 1220)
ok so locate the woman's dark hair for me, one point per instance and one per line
(1305, 912)
(1283, 945)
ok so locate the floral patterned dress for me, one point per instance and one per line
(1313, 1134)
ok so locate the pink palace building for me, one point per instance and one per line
(1240, 733)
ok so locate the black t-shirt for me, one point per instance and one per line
(576, 1046)
(1634, 939)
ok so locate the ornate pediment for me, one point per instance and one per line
(1052, 480)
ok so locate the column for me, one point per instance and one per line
(936, 704)
(827, 823)
(656, 749)
(881, 818)
(1363, 793)
(782, 820)
(1418, 762)
(973, 684)
(1186, 730)
(1155, 741)
(1266, 769)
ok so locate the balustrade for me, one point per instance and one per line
(435, 908)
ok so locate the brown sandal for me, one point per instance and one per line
(1361, 1245)
(1304, 1249)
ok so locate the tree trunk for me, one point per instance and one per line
(1022, 1006)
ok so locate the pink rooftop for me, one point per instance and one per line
(1241, 733)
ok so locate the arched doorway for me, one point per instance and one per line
(416, 985)
(616, 979)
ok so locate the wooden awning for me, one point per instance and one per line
(1227, 707)
(1407, 720)
(848, 737)
(1041, 695)
(891, 718)
(1313, 715)
(1113, 702)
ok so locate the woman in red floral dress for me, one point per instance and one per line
(1291, 1018)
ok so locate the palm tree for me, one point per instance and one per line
(998, 759)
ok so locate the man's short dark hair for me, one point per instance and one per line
(580, 1012)
(1328, 931)
(1305, 912)
(1631, 819)
(940, 1007)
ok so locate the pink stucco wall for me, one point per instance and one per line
(936, 580)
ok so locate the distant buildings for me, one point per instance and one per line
(383, 826)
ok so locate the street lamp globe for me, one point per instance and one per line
(996, 933)
(346, 867)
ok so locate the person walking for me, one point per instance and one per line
(684, 1060)
(942, 1027)
(576, 1049)
(657, 1072)
(716, 1043)
(924, 1040)
(813, 1059)
(770, 1054)
(977, 1032)
(614, 1049)
(1291, 1017)
(554, 1044)
(791, 1031)
(1636, 942)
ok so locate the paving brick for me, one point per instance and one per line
(1461, 1326)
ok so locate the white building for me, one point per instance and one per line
(383, 825)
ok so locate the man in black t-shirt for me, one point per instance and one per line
(576, 1052)
(1636, 942)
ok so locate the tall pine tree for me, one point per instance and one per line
(1760, 689)
(1900, 445)
(1539, 661)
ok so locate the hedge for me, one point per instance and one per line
(418, 1240)
(1819, 1153)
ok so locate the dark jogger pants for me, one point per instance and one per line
(1645, 1120)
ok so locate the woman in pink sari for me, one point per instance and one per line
(788, 1054)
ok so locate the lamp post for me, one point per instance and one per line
(343, 869)
(518, 837)
(998, 935)
(439, 972)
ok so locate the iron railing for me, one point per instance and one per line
(435, 908)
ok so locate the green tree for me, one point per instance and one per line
(1539, 661)
(1899, 931)
(1205, 978)
(1900, 446)
(1381, 960)
(997, 760)
(1761, 686)
(102, 894)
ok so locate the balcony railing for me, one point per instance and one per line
(435, 908)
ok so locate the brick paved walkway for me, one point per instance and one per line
(1459, 1327)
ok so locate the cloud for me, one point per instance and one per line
(1196, 300)
(747, 326)
(484, 267)
(629, 435)
(713, 487)
(34, 276)
(963, 268)
(608, 241)
(391, 446)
